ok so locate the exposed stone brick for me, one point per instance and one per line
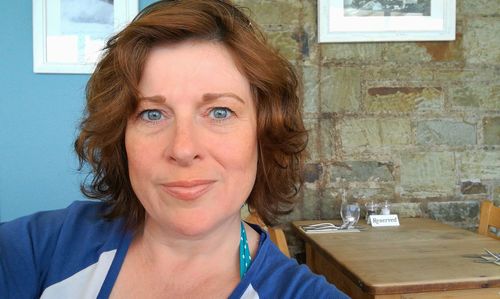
(480, 165)
(466, 74)
(340, 89)
(311, 89)
(312, 149)
(482, 95)
(285, 43)
(312, 172)
(496, 195)
(328, 143)
(330, 204)
(428, 173)
(406, 53)
(445, 50)
(362, 171)
(375, 132)
(464, 213)
(471, 187)
(491, 130)
(403, 99)
(445, 132)
(389, 73)
(407, 209)
(481, 41)
(310, 28)
(352, 53)
(377, 192)
(272, 12)
(311, 204)
(480, 7)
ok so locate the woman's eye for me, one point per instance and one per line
(220, 113)
(151, 115)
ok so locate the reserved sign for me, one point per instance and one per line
(384, 220)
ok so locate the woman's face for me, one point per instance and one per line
(192, 143)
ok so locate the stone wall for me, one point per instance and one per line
(415, 123)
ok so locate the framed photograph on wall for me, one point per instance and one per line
(69, 35)
(385, 20)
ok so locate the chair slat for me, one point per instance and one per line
(489, 216)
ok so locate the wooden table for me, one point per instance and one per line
(422, 258)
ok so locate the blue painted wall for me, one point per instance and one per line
(39, 115)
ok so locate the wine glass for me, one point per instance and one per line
(349, 211)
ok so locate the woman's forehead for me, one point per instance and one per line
(192, 66)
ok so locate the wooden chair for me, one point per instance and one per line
(489, 216)
(277, 235)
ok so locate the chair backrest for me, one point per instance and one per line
(489, 216)
(275, 233)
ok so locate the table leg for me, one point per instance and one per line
(310, 257)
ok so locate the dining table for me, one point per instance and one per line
(420, 258)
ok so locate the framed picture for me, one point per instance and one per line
(385, 20)
(69, 35)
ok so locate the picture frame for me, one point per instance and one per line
(344, 21)
(69, 35)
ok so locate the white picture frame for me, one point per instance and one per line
(69, 35)
(340, 22)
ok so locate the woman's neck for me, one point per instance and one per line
(161, 263)
(160, 245)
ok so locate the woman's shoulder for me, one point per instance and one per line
(274, 275)
(82, 214)
(77, 226)
(45, 247)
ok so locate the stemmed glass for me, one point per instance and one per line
(349, 211)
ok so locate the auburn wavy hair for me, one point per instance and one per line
(112, 96)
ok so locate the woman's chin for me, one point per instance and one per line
(197, 227)
(193, 223)
(192, 230)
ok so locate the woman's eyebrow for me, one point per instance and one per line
(158, 99)
(209, 97)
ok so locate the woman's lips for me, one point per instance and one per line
(187, 190)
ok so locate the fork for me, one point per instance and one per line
(320, 224)
(324, 225)
(496, 256)
(320, 227)
(347, 225)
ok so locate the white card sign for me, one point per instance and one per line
(384, 220)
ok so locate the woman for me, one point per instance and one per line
(189, 115)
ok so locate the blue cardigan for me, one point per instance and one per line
(74, 252)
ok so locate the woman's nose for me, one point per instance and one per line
(183, 146)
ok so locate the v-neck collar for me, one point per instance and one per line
(124, 245)
(116, 265)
